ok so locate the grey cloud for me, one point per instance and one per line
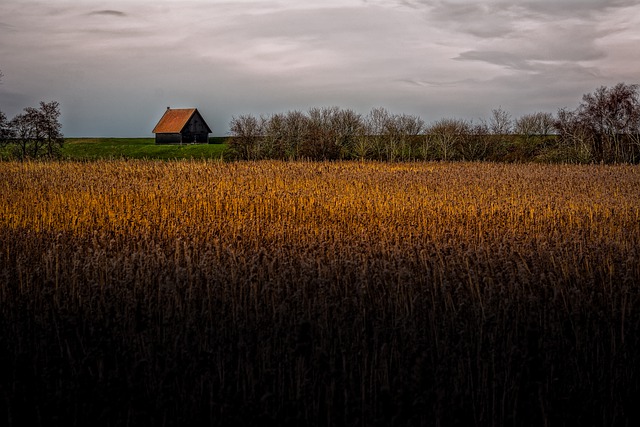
(438, 84)
(484, 20)
(322, 42)
(505, 59)
(524, 68)
(500, 18)
(115, 13)
(452, 9)
(545, 45)
(576, 8)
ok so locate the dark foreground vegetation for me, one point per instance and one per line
(342, 293)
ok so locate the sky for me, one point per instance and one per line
(115, 66)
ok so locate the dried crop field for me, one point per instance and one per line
(346, 293)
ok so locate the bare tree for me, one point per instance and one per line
(25, 141)
(412, 127)
(613, 113)
(37, 132)
(575, 137)
(608, 119)
(320, 142)
(392, 137)
(526, 126)
(533, 130)
(295, 129)
(402, 133)
(247, 137)
(4, 124)
(346, 124)
(633, 139)
(362, 142)
(447, 135)
(475, 142)
(274, 136)
(6, 133)
(500, 122)
(51, 128)
(375, 123)
(545, 123)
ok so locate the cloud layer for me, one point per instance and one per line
(115, 69)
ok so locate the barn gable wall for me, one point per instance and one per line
(188, 137)
(195, 130)
(168, 138)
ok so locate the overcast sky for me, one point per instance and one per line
(115, 66)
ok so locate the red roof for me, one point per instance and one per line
(175, 119)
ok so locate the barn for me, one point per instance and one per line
(181, 126)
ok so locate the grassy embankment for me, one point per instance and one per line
(140, 148)
(512, 149)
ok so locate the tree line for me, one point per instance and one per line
(605, 127)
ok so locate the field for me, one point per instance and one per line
(329, 293)
(139, 148)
